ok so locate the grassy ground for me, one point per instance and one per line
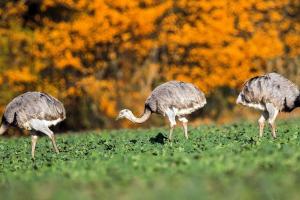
(225, 162)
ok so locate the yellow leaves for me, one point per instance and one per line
(68, 60)
(275, 16)
(13, 8)
(293, 40)
(256, 17)
(245, 22)
(265, 5)
(101, 92)
(22, 74)
(50, 86)
(73, 91)
(265, 44)
(114, 52)
(48, 3)
(143, 20)
(126, 37)
(78, 4)
(83, 26)
(123, 4)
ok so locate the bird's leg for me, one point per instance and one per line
(50, 134)
(184, 124)
(273, 126)
(54, 143)
(171, 131)
(185, 130)
(273, 112)
(171, 115)
(33, 143)
(261, 122)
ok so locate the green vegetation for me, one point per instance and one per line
(225, 162)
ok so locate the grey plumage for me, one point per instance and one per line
(172, 99)
(184, 97)
(270, 93)
(33, 105)
(34, 111)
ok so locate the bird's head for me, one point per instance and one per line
(125, 113)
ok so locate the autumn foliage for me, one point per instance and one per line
(99, 56)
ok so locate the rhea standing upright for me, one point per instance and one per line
(172, 99)
(34, 111)
(270, 93)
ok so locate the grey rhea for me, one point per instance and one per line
(34, 111)
(270, 93)
(172, 99)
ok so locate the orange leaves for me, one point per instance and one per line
(123, 5)
(13, 9)
(112, 53)
(68, 60)
(83, 26)
(101, 92)
(226, 41)
(292, 40)
(143, 20)
(19, 75)
(275, 16)
(260, 44)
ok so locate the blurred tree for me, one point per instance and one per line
(99, 56)
(16, 68)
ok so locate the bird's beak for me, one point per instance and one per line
(117, 118)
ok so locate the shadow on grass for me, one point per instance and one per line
(159, 139)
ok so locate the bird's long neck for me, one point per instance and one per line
(141, 119)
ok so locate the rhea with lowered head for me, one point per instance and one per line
(270, 93)
(34, 111)
(172, 99)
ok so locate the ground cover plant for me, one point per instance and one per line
(226, 162)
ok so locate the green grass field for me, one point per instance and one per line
(225, 162)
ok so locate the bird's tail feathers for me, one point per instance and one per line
(3, 127)
(297, 102)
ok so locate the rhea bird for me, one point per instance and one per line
(172, 99)
(271, 93)
(36, 112)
